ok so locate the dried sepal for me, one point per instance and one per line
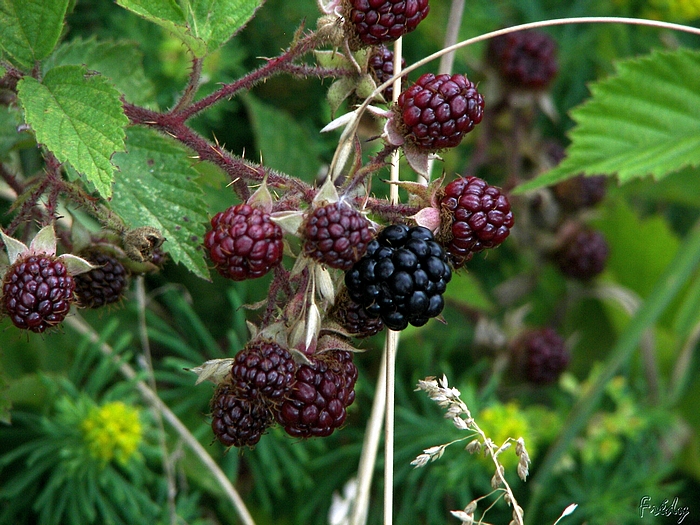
(76, 265)
(13, 247)
(327, 194)
(262, 198)
(323, 283)
(289, 221)
(44, 241)
(214, 370)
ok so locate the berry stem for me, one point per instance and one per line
(273, 67)
(192, 86)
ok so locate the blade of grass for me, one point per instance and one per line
(676, 275)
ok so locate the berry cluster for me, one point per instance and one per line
(401, 278)
(102, 285)
(583, 254)
(373, 22)
(438, 110)
(37, 292)
(541, 355)
(478, 217)
(336, 235)
(244, 243)
(525, 59)
(266, 385)
(381, 67)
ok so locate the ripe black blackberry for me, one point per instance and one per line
(244, 243)
(263, 369)
(401, 278)
(525, 59)
(336, 235)
(475, 216)
(322, 391)
(373, 22)
(540, 355)
(37, 292)
(353, 317)
(583, 254)
(238, 421)
(381, 67)
(103, 285)
(437, 111)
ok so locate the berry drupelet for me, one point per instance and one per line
(401, 278)
(373, 22)
(477, 216)
(437, 111)
(336, 235)
(37, 292)
(244, 243)
(353, 317)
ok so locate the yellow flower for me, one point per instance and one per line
(112, 431)
(503, 421)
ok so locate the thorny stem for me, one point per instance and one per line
(192, 86)
(80, 326)
(148, 366)
(273, 67)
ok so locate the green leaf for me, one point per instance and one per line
(283, 143)
(203, 25)
(121, 62)
(644, 120)
(156, 187)
(78, 116)
(29, 29)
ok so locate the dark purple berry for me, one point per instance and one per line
(525, 59)
(37, 292)
(478, 216)
(541, 355)
(381, 67)
(238, 421)
(244, 243)
(263, 368)
(583, 254)
(322, 391)
(373, 22)
(103, 285)
(437, 111)
(580, 192)
(336, 235)
(353, 318)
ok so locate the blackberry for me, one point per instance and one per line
(244, 243)
(583, 254)
(381, 67)
(238, 421)
(525, 59)
(373, 22)
(541, 355)
(401, 278)
(336, 235)
(323, 390)
(476, 216)
(263, 369)
(37, 292)
(103, 285)
(353, 317)
(580, 192)
(437, 111)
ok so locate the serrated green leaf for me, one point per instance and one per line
(202, 25)
(121, 62)
(644, 120)
(78, 116)
(29, 29)
(283, 143)
(156, 187)
(216, 21)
